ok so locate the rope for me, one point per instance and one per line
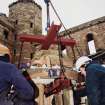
(67, 33)
(60, 55)
(59, 19)
(20, 54)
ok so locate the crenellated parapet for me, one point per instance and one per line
(25, 1)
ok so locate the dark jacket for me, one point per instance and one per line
(95, 84)
(10, 75)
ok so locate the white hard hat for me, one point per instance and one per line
(81, 61)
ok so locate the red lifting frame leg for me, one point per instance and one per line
(50, 38)
(56, 86)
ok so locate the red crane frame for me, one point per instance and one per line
(51, 38)
(46, 41)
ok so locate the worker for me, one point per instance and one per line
(95, 79)
(11, 76)
(4, 53)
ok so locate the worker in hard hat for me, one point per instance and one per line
(4, 53)
(95, 79)
(11, 76)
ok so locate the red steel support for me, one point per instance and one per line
(46, 41)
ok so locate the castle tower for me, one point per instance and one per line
(26, 16)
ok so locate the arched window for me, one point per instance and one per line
(89, 37)
(91, 44)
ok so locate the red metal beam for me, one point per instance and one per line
(46, 41)
(42, 39)
(52, 34)
(32, 38)
(66, 42)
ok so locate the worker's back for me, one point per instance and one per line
(4, 75)
(95, 84)
(96, 67)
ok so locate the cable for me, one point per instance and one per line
(60, 54)
(48, 14)
(67, 33)
(59, 19)
(20, 55)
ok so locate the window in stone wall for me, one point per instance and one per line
(15, 36)
(6, 34)
(16, 22)
(31, 25)
(91, 44)
(89, 37)
(31, 55)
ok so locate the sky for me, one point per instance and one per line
(71, 12)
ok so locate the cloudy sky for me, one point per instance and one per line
(71, 12)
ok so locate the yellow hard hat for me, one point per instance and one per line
(4, 50)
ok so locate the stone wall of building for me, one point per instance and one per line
(5, 25)
(26, 16)
(6, 32)
(97, 27)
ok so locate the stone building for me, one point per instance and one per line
(79, 33)
(25, 16)
(6, 31)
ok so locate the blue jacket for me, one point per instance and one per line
(95, 83)
(96, 67)
(10, 75)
